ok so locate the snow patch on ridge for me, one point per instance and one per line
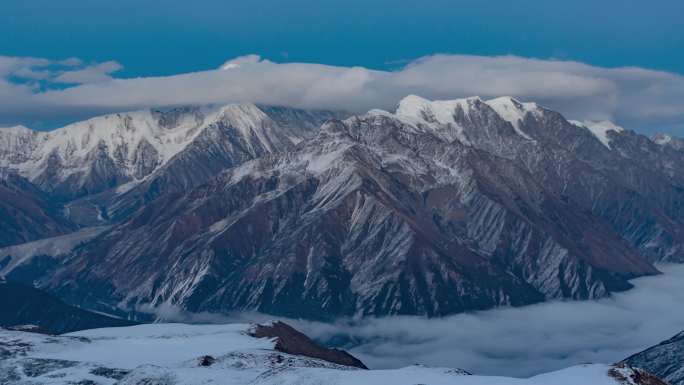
(513, 111)
(600, 129)
(419, 110)
(416, 111)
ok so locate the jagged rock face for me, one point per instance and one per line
(665, 360)
(627, 375)
(300, 124)
(291, 341)
(629, 181)
(99, 154)
(373, 216)
(26, 213)
(237, 134)
(105, 168)
(439, 207)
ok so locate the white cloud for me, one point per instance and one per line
(522, 341)
(633, 97)
(518, 342)
(95, 73)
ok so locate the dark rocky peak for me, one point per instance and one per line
(291, 341)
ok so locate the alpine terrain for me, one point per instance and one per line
(171, 354)
(435, 208)
(665, 360)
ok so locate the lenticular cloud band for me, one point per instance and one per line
(637, 98)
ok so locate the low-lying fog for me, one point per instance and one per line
(518, 341)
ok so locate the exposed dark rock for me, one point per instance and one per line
(206, 361)
(628, 375)
(37, 367)
(665, 360)
(26, 213)
(291, 341)
(116, 374)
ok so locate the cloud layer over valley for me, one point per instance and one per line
(522, 341)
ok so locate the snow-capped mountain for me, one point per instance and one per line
(177, 354)
(158, 150)
(624, 178)
(97, 154)
(665, 360)
(435, 208)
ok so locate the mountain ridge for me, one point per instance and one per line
(436, 208)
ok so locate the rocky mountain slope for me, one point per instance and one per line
(25, 307)
(116, 163)
(665, 360)
(26, 212)
(438, 208)
(175, 354)
(435, 208)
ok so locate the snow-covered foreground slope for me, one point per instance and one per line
(172, 354)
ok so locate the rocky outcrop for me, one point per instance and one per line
(119, 162)
(627, 375)
(291, 341)
(665, 360)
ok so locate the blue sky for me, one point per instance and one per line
(568, 55)
(167, 37)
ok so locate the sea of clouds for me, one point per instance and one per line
(521, 341)
(518, 342)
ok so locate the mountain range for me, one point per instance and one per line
(435, 208)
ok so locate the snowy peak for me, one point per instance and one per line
(441, 116)
(113, 149)
(456, 113)
(600, 129)
(437, 111)
(513, 111)
(250, 122)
